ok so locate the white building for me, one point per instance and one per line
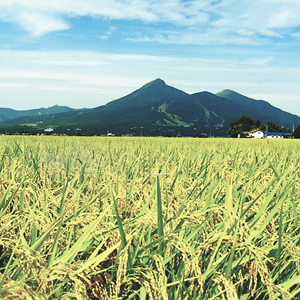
(255, 134)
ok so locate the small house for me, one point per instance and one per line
(256, 134)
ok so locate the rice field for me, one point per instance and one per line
(149, 218)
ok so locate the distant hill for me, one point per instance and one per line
(155, 109)
(7, 114)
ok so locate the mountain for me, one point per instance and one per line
(262, 110)
(7, 114)
(156, 109)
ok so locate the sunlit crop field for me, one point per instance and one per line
(149, 218)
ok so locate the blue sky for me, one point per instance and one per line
(85, 53)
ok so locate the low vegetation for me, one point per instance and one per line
(149, 218)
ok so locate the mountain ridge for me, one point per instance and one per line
(157, 109)
(7, 114)
(261, 107)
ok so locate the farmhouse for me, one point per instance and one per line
(258, 134)
(255, 133)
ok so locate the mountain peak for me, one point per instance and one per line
(150, 94)
(224, 93)
(236, 97)
(156, 82)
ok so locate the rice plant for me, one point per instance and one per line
(149, 218)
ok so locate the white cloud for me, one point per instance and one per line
(284, 18)
(39, 24)
(270, 33)
(108, 33)
(259, 61)
(14, 85)
(190, 38)
(296, 35)
(205, 17)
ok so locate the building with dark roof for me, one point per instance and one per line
(278, 135)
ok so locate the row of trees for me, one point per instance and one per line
(247, 123)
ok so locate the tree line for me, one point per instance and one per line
(247, 123)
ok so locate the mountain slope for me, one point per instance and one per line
(158, 109)
(260, 109)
